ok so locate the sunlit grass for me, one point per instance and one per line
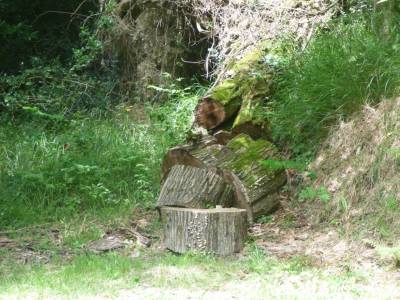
(255, 274)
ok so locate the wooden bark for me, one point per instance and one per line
(219, 231)
(249, 78)
(196, 156)
(192, 187)
(241, 162)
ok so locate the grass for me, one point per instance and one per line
(164, 275)
(345, 66)
(93, 164)
(357, 172)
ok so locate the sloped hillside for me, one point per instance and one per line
(358, 173)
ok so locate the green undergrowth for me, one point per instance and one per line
(51, 170)
(347, 64)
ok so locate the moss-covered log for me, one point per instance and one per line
(252, 120)
(219, 231)
(254, 182)
(192, 187)
(240, 161)
(219, 105)
(250, 79)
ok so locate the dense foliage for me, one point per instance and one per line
(71, 141)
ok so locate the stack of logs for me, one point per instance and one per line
(224, 168)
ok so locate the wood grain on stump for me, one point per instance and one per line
(221, 231)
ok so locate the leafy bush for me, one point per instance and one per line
(344, 66)
(52, 88)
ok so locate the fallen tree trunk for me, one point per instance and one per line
(221, 231)
(192, 187)
(219, 105)
(239, 163)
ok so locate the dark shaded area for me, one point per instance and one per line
(40, 28)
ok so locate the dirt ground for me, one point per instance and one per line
(341, 268)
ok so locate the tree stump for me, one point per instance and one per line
(192, 187)
(220, 231)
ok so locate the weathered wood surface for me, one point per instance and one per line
(241, 162)
(200, 156)
(192, 187)
(221, 231)
(219, 105)
(232, 115)
(250, 81)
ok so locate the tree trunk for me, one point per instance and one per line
(192, 187)
(240, 163)
(249, 78)
(220, 231)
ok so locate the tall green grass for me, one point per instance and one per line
(91, 163)
(345, 66)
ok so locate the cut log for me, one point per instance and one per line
(219, 105)
(249, 78)
(199, 156)
(192, 187)
(220, 231)
(241, 162)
